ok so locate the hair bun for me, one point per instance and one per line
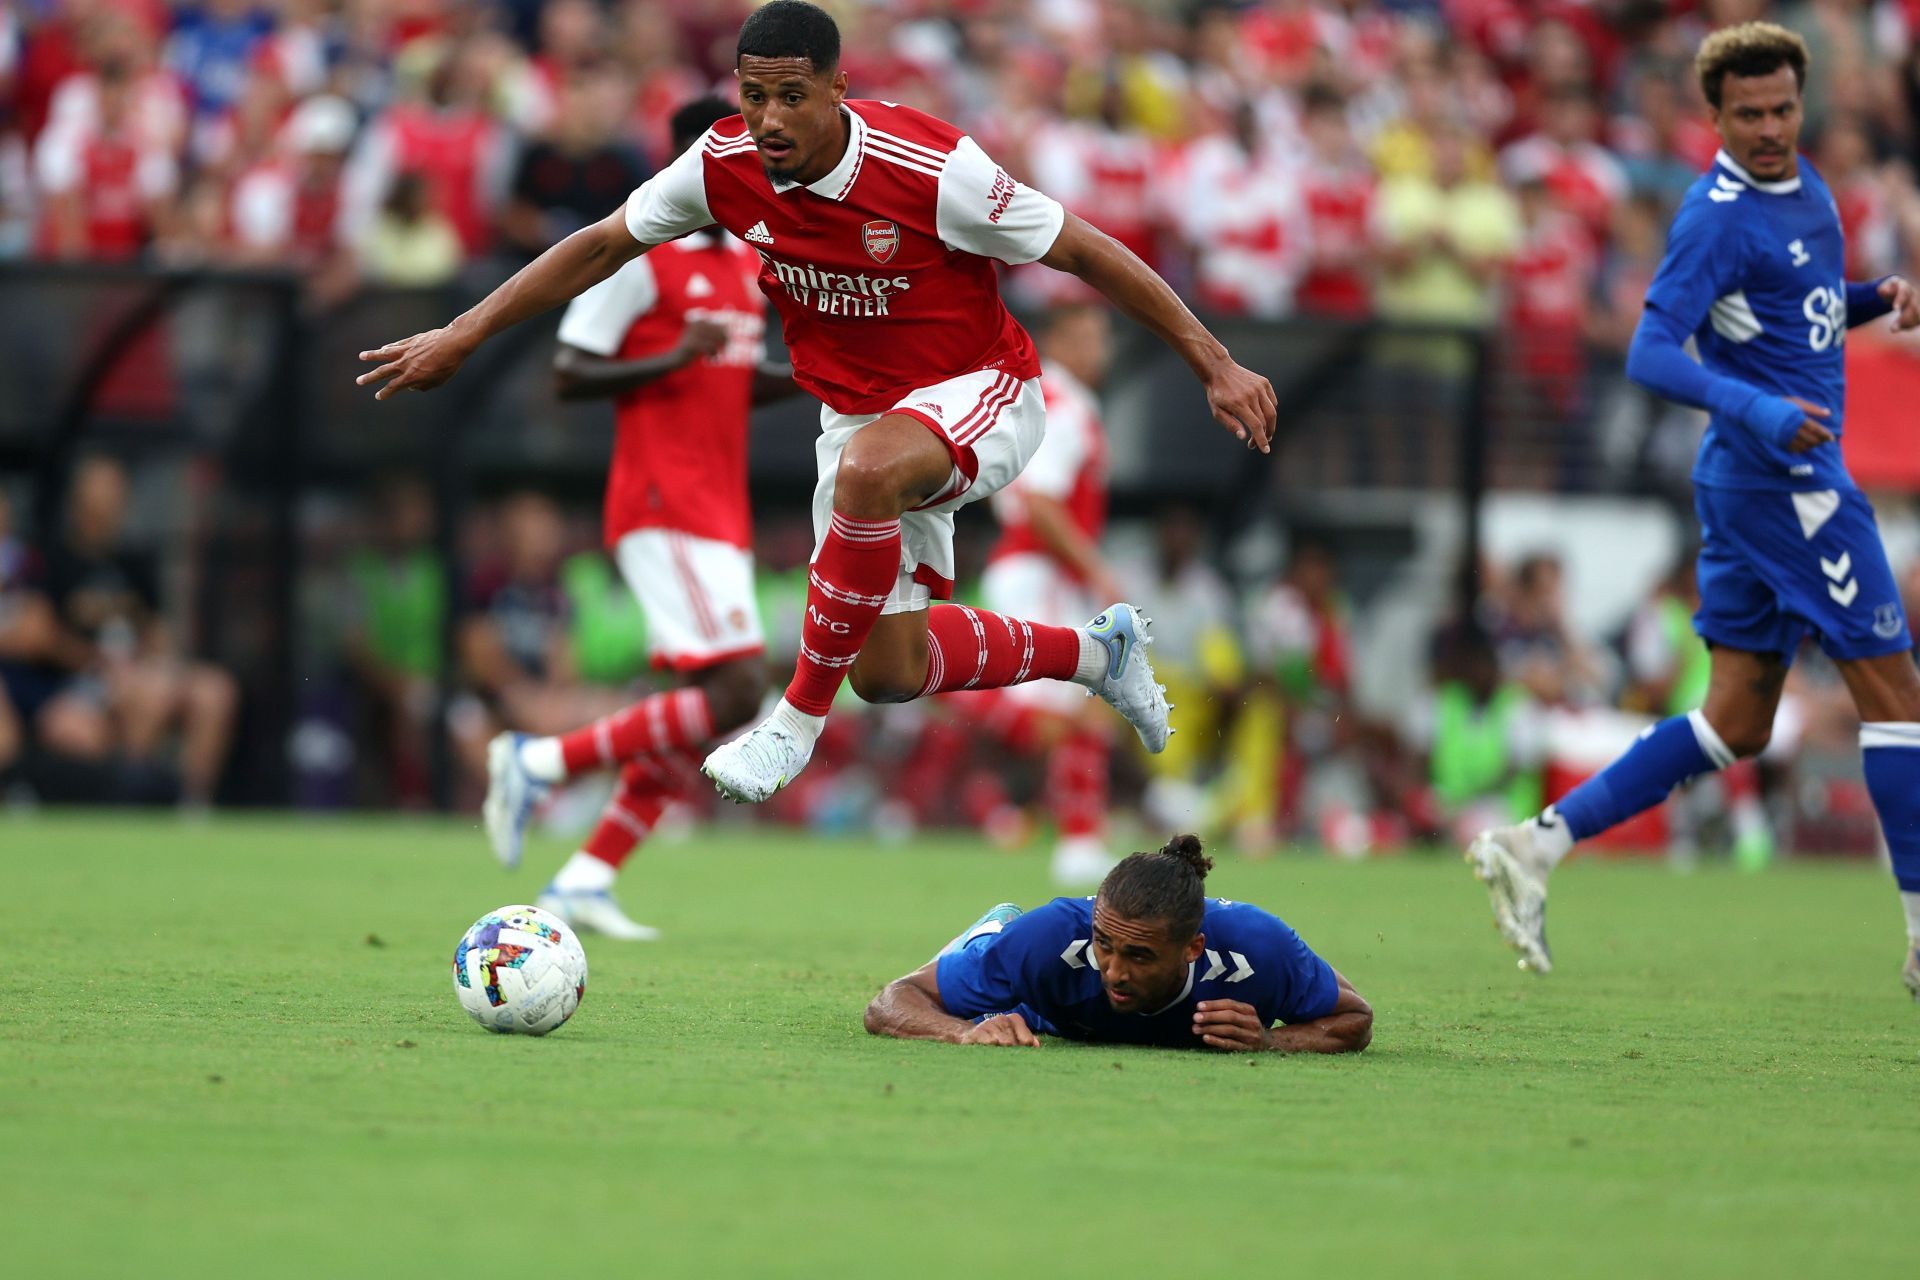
(1187, 849)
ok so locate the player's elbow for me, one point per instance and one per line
(568, 384)
(1358, 1033)
(876, 1020)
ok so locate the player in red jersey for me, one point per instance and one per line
(673, 338)
(877, 228)
(1047, 567)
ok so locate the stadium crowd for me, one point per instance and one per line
(1494, 163)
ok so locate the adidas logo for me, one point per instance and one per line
(758, 234)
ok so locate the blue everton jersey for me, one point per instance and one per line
(1754, 272)
(1041, 966)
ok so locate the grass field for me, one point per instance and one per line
(234, 1049)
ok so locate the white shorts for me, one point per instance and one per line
(697, 594)
(1034, 587)
(992, 424)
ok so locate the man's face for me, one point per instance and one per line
(1759, 121)
(793, 113)
(1141, 967)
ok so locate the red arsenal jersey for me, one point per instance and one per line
(680, 452)
(1069, 467)
(882, 270)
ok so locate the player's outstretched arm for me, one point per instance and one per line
(1232, 1026)
(582, 260)
(909, 1009)
(582, 375)
(1242, 401)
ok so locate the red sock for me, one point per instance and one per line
(647, 786)
(1077, 783)
(972, 649)
(661, 723)
(849, 581)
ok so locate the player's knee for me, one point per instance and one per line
(869, 481)
(1747, 740)
(880, 684)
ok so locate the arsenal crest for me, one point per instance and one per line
(881, 240)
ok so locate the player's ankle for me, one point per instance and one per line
(1093, 663)
(799, 723)
(543, 759)
(584, 873)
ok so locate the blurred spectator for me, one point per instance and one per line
(517, 647)
(1860, 192)
(1444, 236)
(1538, 649)
(1583, 176)
(580, 172)
(1243, 221)
(1663, 144)
(285, 207)
(445, 140)
(1549, 282)
(1337, 186)
(395, 616)
(139, 686)
(105, 177)
(411, 245)
(212, 47)
(1102, 171)
(1481, 738)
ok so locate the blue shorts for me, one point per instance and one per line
(1777, 566)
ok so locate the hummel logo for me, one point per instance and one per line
(758, 234)
(1800, 255)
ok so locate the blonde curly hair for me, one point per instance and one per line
(1750, 49)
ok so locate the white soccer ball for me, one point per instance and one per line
(520, 970)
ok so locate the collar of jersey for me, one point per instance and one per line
(1184, 993)
(1785, 187)
(840, 181)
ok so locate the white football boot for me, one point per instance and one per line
(759, 762)
(1505, 861)
(1128, 685)
(512, 793)
(1910, 973)
(595, 912)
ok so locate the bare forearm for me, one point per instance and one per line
(906, 1012)
(1336, 1033)
(562, 273)
(1134, 287)
(578, 375)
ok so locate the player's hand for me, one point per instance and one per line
(419, 363)
(1001, 1029)
(1244, 403)
(1905, 301)
(1811, 433)
(702, 338)
(1231, 1027)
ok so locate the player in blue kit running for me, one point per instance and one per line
(1753, 274)
(1150, 960)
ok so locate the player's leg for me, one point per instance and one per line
(1886, 690)
(871, 472)
(702, 620)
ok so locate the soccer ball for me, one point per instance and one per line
(520, 970)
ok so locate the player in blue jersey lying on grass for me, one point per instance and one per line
(1150, 960)
(1753, 275)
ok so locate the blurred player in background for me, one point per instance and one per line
(878, 228)
(1047, 567)
(1149, 960)
(676, 340)
(1754, 273)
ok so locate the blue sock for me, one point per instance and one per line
(1891, 752)
(1665, 756)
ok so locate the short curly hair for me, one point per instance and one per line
(1750, 49)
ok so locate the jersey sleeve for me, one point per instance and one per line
(1002, 973)
(597, 321)
(1304, 987)
(982, 210)
(1702, 264)
(673, 201)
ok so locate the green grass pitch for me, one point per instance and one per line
(234, 1049)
